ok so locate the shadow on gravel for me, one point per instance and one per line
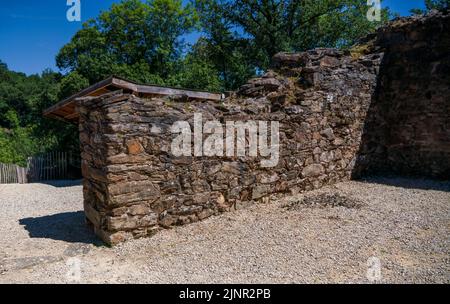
(410, 183)
(67, 226)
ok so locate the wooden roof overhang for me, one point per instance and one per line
(65, 109)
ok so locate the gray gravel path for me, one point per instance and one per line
(402, 224)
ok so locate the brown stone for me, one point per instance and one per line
(312, 170)
(205, 213)
(329, 61)
(328, 133)
(139, 209)
(132, 187)
(260, 191)
(117, 237)
(167, 220)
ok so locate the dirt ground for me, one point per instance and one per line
(388, 230)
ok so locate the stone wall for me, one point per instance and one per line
(134, 185)
(408, 125)
(381, 107)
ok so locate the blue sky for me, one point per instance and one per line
(33, 31)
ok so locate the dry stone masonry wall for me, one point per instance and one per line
(408, 125)
(326, 102)
(134, 185)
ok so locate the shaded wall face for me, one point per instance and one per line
(135, 185)
(408, 125)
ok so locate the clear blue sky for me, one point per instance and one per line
(33, 31)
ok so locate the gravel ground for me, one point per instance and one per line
(402, 224)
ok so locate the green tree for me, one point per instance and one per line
(71, 84)
(23, 130)
(141, 41)
(196, 72)
(230, 54)
(433, 4)
(292, 25)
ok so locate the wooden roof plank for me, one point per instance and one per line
(172, 91)
(66, 107)
(84, 92)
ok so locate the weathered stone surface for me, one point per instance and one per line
(139, 210)
(125, 222)
(329, 61)
(407, 126)
(289, 60)
(312, 170)
(381, 107)
(270, 84)
(260, 191)
(116, 237)
(132, 187)
(134, 147)
(148, 194)
(328, 133)
(269, 179)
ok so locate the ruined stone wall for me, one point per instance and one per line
(408, 125)
(382, 107)
(134, 185)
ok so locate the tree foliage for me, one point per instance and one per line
(292, 25)
(141, 41)
(23, 129)
(433, 5)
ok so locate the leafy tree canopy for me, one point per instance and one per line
(137, 40)
(23, 130)
(433, 4)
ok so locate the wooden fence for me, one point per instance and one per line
(12, 174)
(49, 166)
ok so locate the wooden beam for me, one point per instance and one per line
(66, 107)
(164, 91)
(125, 84)
(84, 92)
(71, 116)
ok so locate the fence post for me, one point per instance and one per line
(49, 166)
